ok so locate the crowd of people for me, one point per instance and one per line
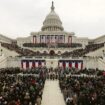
(59, 45)
(16, 89)
(19, 50)
(75, 53)
(25, 87)
(81, 52)
(35, 45)
(81, 90)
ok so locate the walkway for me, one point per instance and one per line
(52, 94)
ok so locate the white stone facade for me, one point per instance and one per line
(52, 31)
(5, 39)
(21, 41)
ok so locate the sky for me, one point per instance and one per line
(86, 18)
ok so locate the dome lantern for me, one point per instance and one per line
(52, 7)
(52, 21)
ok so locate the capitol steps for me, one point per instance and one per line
(52, 94)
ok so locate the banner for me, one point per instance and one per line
(73, 64)
(67, 64)
(25, 64)
(43, 64)
(30, 65)
(60, 64)
(33, 64)
(70, 64)
(78, 64)
(36, 64)
(64, 64)
(39, 63)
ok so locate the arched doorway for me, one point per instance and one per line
(59, 52)
(44, 52)
(38, 53)
(52, 53)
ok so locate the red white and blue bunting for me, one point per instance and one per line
(28, 64)
(78, 64)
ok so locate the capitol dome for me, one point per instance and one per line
(52, 21)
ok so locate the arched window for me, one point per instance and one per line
(59, 52)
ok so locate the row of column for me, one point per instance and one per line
(51, 39)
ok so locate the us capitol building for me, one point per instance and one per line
(52, 34)
(52, 47)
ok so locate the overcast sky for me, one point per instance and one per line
(86, 18)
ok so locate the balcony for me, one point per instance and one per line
(52, 45)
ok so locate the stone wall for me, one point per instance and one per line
(13, 62)
(88, 62)
(8, 52)
(3, 61)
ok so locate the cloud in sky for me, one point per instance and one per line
(84, 17)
